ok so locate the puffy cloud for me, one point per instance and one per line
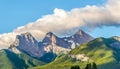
(67, 22)
(6, 39)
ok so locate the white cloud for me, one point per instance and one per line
(64, 22)
(6, 39)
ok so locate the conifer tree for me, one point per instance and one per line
(91, 66)
(94, 66)
(88, 66)
(75, 67)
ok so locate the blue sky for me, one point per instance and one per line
(15, 13)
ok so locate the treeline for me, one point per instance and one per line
(88, 66)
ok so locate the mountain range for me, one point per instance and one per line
(50, 43)
(54, 52)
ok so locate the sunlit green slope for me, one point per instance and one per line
(98, 51)
(10, 60)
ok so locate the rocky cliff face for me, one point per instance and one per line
(54, 44)
(27, 43)
(79, 37)
(51, 43)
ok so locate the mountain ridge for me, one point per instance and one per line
(50, 43)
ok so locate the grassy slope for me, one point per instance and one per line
(9, 60)
(98, 50)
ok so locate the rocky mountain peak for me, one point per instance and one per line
(49, 38)
(80, 37)
(50, 35)
(25, 36)
(80, 32)
(27, 43)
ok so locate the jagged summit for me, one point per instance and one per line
(80, 37)
(49, 38)
(27, 43)
(26, 35)
(80, 32)
(50, 35)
